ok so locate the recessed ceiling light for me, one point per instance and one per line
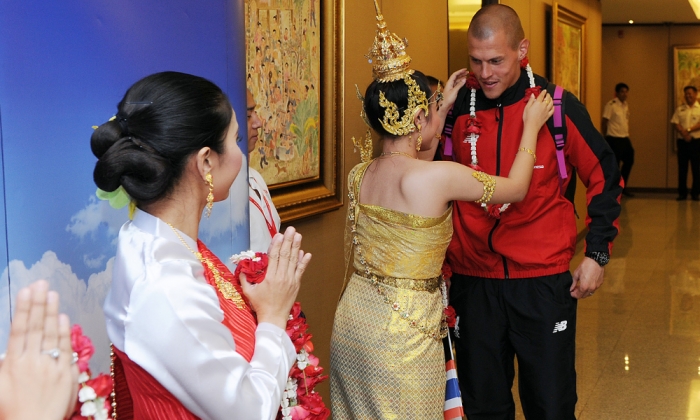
(695, 4)
(631, 21)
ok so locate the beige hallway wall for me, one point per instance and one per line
(641, 56)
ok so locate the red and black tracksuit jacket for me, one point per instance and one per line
(537, 236)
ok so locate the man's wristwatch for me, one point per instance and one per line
(601, 258)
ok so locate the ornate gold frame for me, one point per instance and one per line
(564, 16)
(295, 201)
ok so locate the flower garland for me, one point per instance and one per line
(474, 127)
(450, 314)
(94, 402)
(299, 401)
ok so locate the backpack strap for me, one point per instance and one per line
(557, 126)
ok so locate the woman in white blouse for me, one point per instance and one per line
(186, 341)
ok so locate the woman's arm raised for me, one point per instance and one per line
(458, 183)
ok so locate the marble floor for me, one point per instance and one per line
(638, 338)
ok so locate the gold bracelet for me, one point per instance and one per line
(489, 186)
(525, 149)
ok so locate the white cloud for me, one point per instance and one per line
(93, 263)
(97, 212)
(225, 215)
(80, 301)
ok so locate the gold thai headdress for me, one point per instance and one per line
(391, 63)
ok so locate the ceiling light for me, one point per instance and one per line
(631, 21)
(695, 4)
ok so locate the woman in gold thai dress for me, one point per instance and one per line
(387, 359)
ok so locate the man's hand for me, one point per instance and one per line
(588, 277)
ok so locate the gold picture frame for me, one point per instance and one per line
(569, 50)
(686, 70)
(323, 191)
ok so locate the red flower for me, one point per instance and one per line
(532, 91)
(299, 413)
(446, 271)
(296, 330)
(314, 404)
(102, 385)
(296, 310)
(472, 82)
(81, 345)
(473, 125)
(494, 211)
(524, 62)
(254, 270)
(450, 316)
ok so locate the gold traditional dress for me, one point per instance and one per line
(387, 359)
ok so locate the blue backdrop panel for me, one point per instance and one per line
(4, 280)
(63, 68)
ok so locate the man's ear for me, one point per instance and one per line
(204, 161)
(523, 48)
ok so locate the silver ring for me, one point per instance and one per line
(54, 353)
(75, 358)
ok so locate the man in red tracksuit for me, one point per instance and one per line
(511, 287)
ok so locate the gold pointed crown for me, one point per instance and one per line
(388, 53)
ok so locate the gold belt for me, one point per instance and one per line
(424, 285)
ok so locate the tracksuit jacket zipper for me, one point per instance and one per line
(499, 118)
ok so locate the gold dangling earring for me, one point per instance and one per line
(419, 141)
(210, 196)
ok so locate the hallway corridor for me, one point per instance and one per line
(638, 339)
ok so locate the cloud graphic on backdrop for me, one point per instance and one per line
(97, 212)
(225, 216)
(80, 300)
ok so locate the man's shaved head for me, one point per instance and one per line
(494, 18)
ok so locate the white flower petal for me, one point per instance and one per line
(86, 393)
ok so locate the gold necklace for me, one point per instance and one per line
(226, 288)
(396, 154)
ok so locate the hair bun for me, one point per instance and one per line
(104, 137)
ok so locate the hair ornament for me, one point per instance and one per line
(389, 64)
(363, 113)
(118, 199)
(365, 146)
(399, 125)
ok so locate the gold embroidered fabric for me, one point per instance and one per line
(387, 359)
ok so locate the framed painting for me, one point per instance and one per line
(686, 70)
(294, 71)
(568, 50)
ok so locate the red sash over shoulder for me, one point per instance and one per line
(139, 396)
(241, 322)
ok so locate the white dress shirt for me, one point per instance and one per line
(260, 236)
(163, 314)
(618, 115)
(687, 116)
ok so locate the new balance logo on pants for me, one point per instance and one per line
(559, 326)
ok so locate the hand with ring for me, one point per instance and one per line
(37, 378)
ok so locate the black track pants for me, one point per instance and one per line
(533, 319)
